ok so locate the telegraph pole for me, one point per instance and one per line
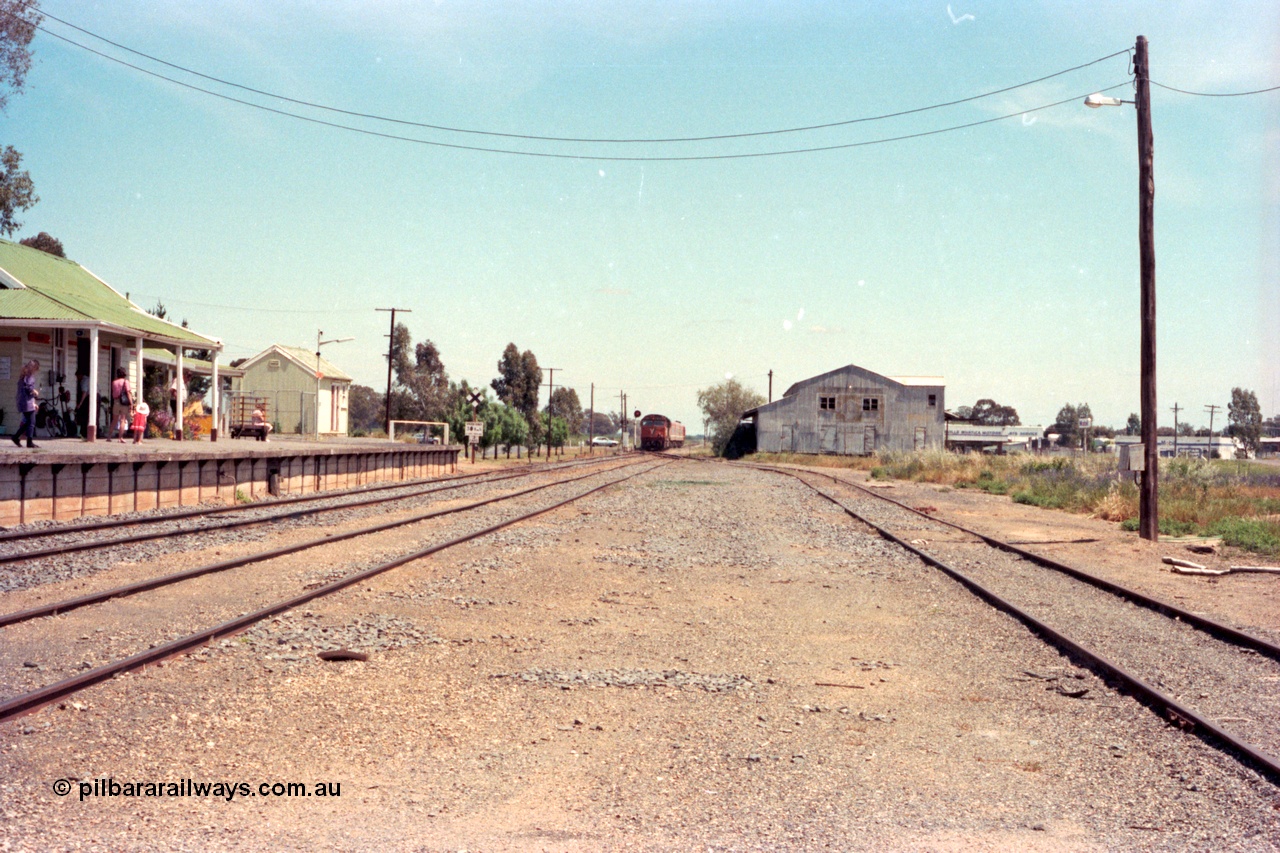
(770, 386)
(1148, 512)
(1175, 430)
(551, 389)
(622, 427)
(591, 422)
(1211, 410)
(391, 343)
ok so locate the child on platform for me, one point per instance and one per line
(140, 413)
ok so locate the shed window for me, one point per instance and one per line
(933, 400)
(273, 364)
(870, 404)
(827, 403)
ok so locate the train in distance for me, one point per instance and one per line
(659, 432)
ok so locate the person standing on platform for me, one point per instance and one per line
(121, 403)
(28, 393)
(178, 392)
(140, 420)
(82, 404)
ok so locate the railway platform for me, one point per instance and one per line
(67, 478)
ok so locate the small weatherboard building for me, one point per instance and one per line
(285, 380)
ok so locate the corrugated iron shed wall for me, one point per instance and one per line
(852, 411)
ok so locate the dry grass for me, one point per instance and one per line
(853, 463)
(1119, 504)
(1237, 501)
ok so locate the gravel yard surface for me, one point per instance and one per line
(705, 657)
(1237, 687)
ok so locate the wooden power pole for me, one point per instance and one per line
(391, 345)
(1148, 511)
(551, 389)
(1212, 410)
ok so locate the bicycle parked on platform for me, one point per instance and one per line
(48, 419)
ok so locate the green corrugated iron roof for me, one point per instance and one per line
(196, 365)
(27, 304)
(54, 288)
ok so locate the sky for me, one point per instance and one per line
(1002, 257)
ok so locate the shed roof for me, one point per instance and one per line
(914, 381)
(303, 358)
(35, 285)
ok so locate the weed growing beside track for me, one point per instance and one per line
(1235, 500)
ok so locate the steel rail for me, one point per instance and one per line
(12, 535)
(1175, 711)
(28, 702)
(54, 608)
(145, 536)
(1173, 611)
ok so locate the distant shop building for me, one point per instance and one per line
(852, 411)
(965, 436)
(1218, 447)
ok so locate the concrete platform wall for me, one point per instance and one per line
(63, 490)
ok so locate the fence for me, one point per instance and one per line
(287, 411)
(426, 431)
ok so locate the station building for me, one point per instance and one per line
(853, 411)
(56, 312)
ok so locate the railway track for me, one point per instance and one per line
(1218, 681)
(60, 540)
(347, 576)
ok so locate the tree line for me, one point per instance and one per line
(421, 390)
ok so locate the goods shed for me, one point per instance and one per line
(853, 411)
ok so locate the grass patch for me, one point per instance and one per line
(673, 483)
(1259, 535)
(853, 463)
(1167, 527)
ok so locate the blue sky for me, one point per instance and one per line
(1001, 257)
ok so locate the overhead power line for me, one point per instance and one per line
(1215, 94)
(580, 156)
(538, 138)
(255, 309)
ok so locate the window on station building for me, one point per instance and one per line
(933, 400)
(827, 403)
(870, 404)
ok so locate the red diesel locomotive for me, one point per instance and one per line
(658, 432)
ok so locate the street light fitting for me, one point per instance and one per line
(1097, 99)
(320, 343)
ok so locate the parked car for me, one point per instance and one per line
(601, 441)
